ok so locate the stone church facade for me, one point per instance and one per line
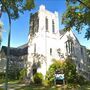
(46, 42)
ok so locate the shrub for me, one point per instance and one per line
(69, 70)
(46, 83)
(1, 81)
(50, 75)
(80, 79)
(38, 78)
(2, 75)
(23, 73)
(67, 67)
(1, 89)
(72, 87)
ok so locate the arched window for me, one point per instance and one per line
(69, 46)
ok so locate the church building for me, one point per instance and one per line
(46, 42)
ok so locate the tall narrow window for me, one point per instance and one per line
(69, 46)
(34, 48)
(81, 50)
(37, 24)
(46, 24)
(50, 51)
(53, 26)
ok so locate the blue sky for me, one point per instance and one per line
(20, 27)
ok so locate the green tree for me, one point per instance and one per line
(77, 15)
(13, 8)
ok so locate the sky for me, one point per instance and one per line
(20, 27)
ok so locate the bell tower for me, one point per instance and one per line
(43, 24)
(45, 21)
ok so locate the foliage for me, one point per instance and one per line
(46, 83)
(80, 79)
(51, 71)
(50, 74)
(77, 15)
(14, 68)
(1, 89)
(69, 70)
(13, 75)
(15, 7)
(23, 73)
(2, 75)
(38, 59)
(2, 81)
(38, 78)
(71, 75)
(68, 67)
(88, 52)
(72, 87)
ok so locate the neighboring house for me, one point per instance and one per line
(45, 39)
(17, 58)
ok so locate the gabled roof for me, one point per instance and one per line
(63, 32)
(76, 38)
(16, 51)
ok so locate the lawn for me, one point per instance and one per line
(1, 89)
(84, 87)
(36, 87)
(39, 88)
(17, 86)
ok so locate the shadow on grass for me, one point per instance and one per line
(36, 87)
(1, 89)
(85, 87)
